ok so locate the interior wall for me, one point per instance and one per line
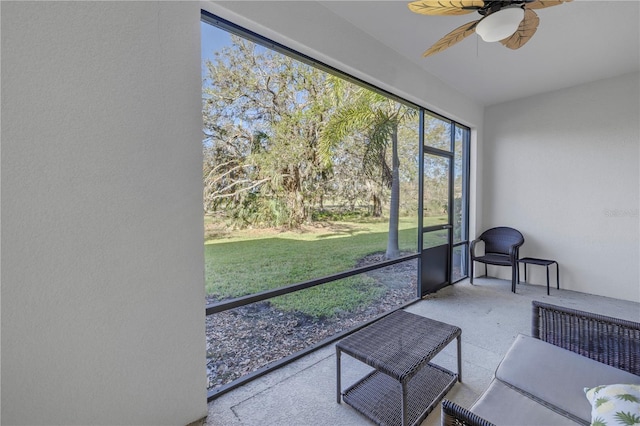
(102, 244)
(563, 168)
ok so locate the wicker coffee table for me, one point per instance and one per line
(405, 386)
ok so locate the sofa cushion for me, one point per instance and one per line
(501, 405)
(557, 375)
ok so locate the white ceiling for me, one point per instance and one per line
(576, 42)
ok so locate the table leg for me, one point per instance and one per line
(338, 389)
(525, 272)
(558, 275)
(459, 359)
(547, 280)
(404, 404)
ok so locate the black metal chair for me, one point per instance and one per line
(501, 247)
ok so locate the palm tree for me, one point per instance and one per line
(377, 118)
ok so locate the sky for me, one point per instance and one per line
(212, 39)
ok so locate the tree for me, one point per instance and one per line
(262, 112)
(378, 118)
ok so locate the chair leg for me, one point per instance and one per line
(514, 276)
(471, 272)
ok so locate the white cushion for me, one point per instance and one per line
(501, 405)
(557, 375)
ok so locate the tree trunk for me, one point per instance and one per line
(393, 249)
(298, 212)
(377, 206)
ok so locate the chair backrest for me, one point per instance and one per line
(500, 239)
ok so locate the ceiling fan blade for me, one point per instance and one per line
(448, 7)
(452, 38)
(525, 31)
(541, 4)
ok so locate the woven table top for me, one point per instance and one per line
(399, 344)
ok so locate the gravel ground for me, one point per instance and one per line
(245, 339)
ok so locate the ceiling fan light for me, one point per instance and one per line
(501, 24)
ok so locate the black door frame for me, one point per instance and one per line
(440, 256)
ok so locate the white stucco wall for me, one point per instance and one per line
(102, 245)
(563, 168)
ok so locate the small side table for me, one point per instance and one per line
(405, 386)
(541, 262)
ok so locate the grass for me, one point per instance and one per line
(333, 298)
(249, 261)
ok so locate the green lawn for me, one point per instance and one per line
(249, 261)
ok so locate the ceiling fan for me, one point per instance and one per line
(512, 23)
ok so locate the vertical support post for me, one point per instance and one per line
(338, 386)
(420, 200)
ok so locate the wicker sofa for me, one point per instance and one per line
(541, 379)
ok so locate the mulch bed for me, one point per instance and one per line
(245, 339)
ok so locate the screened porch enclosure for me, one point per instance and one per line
(325, 202)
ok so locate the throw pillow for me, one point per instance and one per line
(614, 405)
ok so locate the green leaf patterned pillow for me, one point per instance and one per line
(614, 405)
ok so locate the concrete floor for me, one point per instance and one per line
(490, 316)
